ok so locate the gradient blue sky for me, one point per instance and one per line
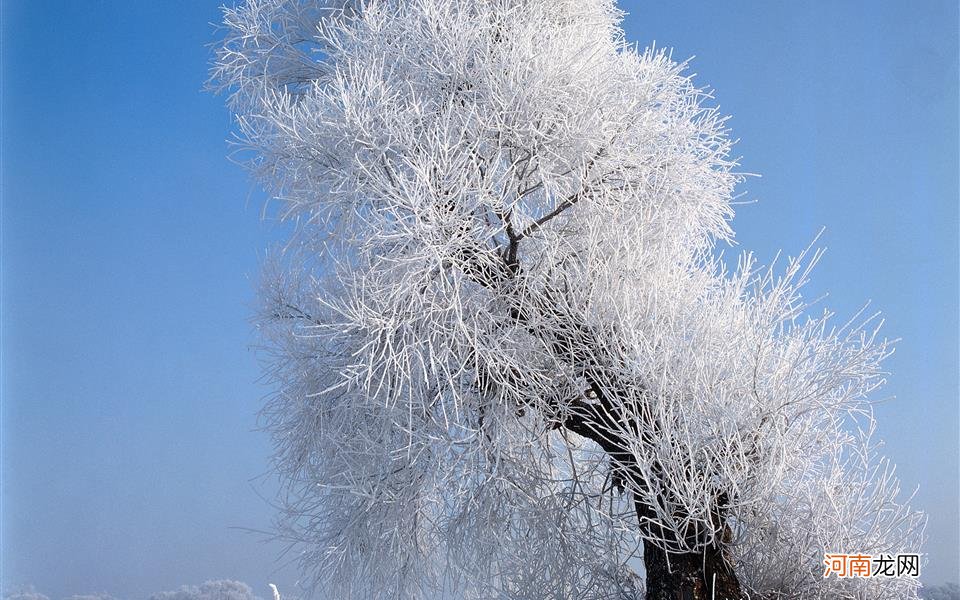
(129, 247)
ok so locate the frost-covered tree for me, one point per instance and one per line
(508, 363)
(26, 592)
(947, 591)
(93, 596)
(218, 589)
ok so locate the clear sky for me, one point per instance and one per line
(130, 458)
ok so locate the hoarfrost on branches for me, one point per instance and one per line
(218, 589)
(27, 592)
(947, 591)
(506, 356)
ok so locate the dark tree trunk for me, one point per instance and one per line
(705, 575)
(692, 576)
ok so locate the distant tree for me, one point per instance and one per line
(507, 361)
(29, 593)
(94, 596)
(947, 591)
(221, 589)
(26, 592)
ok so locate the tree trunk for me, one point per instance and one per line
(703, 575)
(706, 575)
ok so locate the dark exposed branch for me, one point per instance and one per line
(566, 202)
(295, 313)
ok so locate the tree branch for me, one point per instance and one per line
(568, 201)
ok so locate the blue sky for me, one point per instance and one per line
(130, 460)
